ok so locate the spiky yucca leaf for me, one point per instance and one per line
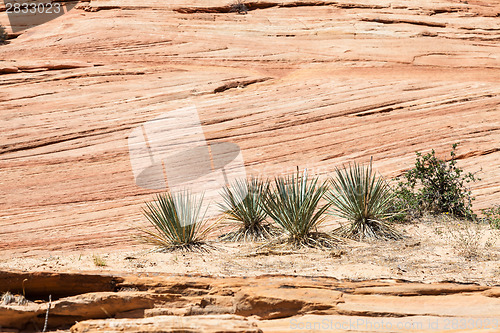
(243, 206)
(363, 199)
(178, 222)
(295, 207)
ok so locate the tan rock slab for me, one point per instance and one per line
(204, 324)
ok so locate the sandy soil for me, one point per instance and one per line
(435, 249)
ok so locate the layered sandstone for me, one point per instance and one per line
(278, 303)
(294, 83)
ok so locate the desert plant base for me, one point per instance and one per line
(197, 246)
(318, 240)
(373, 229)
(254, 234)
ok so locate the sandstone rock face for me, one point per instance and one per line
(57, 284)
(203, 324)
(308, 83)
(259, 304)
(17, 316)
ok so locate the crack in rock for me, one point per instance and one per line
(238, 84)
(396, 21)
(250, 6)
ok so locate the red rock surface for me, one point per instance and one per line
(274, 303)
(334, 81)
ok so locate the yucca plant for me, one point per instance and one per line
(243, 207)
(178, 222)
(295, 207)
(365, 200)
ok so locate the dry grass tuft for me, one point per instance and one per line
(99, 261)
(470, 239)
(8, 299)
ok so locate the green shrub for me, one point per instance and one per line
(178, 222)
(365, 200)
(243, 206)
(492, 216)
(295, 207)
(435, 186)
(405, 206)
